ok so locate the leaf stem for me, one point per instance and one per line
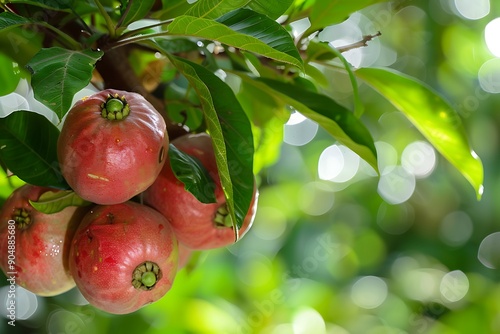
(358, 105)
(133, 32)
(122, 18)
(107, 18)
(135, 39)
(359, 44)
(5, 8)
(186, 95)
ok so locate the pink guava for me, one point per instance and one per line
(197, 225)
(123, 256)
(34, 246)
(112, 146)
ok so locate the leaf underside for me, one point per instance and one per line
(432, 116)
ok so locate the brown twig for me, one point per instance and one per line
(359, 44)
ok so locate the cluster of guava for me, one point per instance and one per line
(124, 249)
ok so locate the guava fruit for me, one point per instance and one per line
(197, 225)
(123, 257)
(112, 146)
(34, 246)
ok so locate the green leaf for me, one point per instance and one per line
(432, 116)
(328, 12)
(48, 4)
(184, 104)
(10, 20)
(231, 135)
(242, 29)
(212, 9)
(317, 75)
(334, 118)
(7, 185)
(171, 9)
(55, 201)
(28, 144)
(9, 75)
(136, 10)
(358, 104)
(268, 116)
(319, 51)
(250, 23)
(271, 8)
(190, 171)
(176, 45)
(58, 74)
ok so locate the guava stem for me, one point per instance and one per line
(146, 275)
(22, 217)
(222, 217)
(115, 108)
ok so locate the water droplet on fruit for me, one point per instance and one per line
(54, 251)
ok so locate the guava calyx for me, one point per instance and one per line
(115, 108)
(23, 218)
(146, 275)
(222, 217)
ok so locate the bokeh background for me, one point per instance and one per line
(335, 248)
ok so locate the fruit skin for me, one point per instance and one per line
(110, 243)
(42, 248)
(192, 220)
(110, 161)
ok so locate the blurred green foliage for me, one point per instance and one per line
(336, 257)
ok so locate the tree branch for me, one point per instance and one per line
(360, 44)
